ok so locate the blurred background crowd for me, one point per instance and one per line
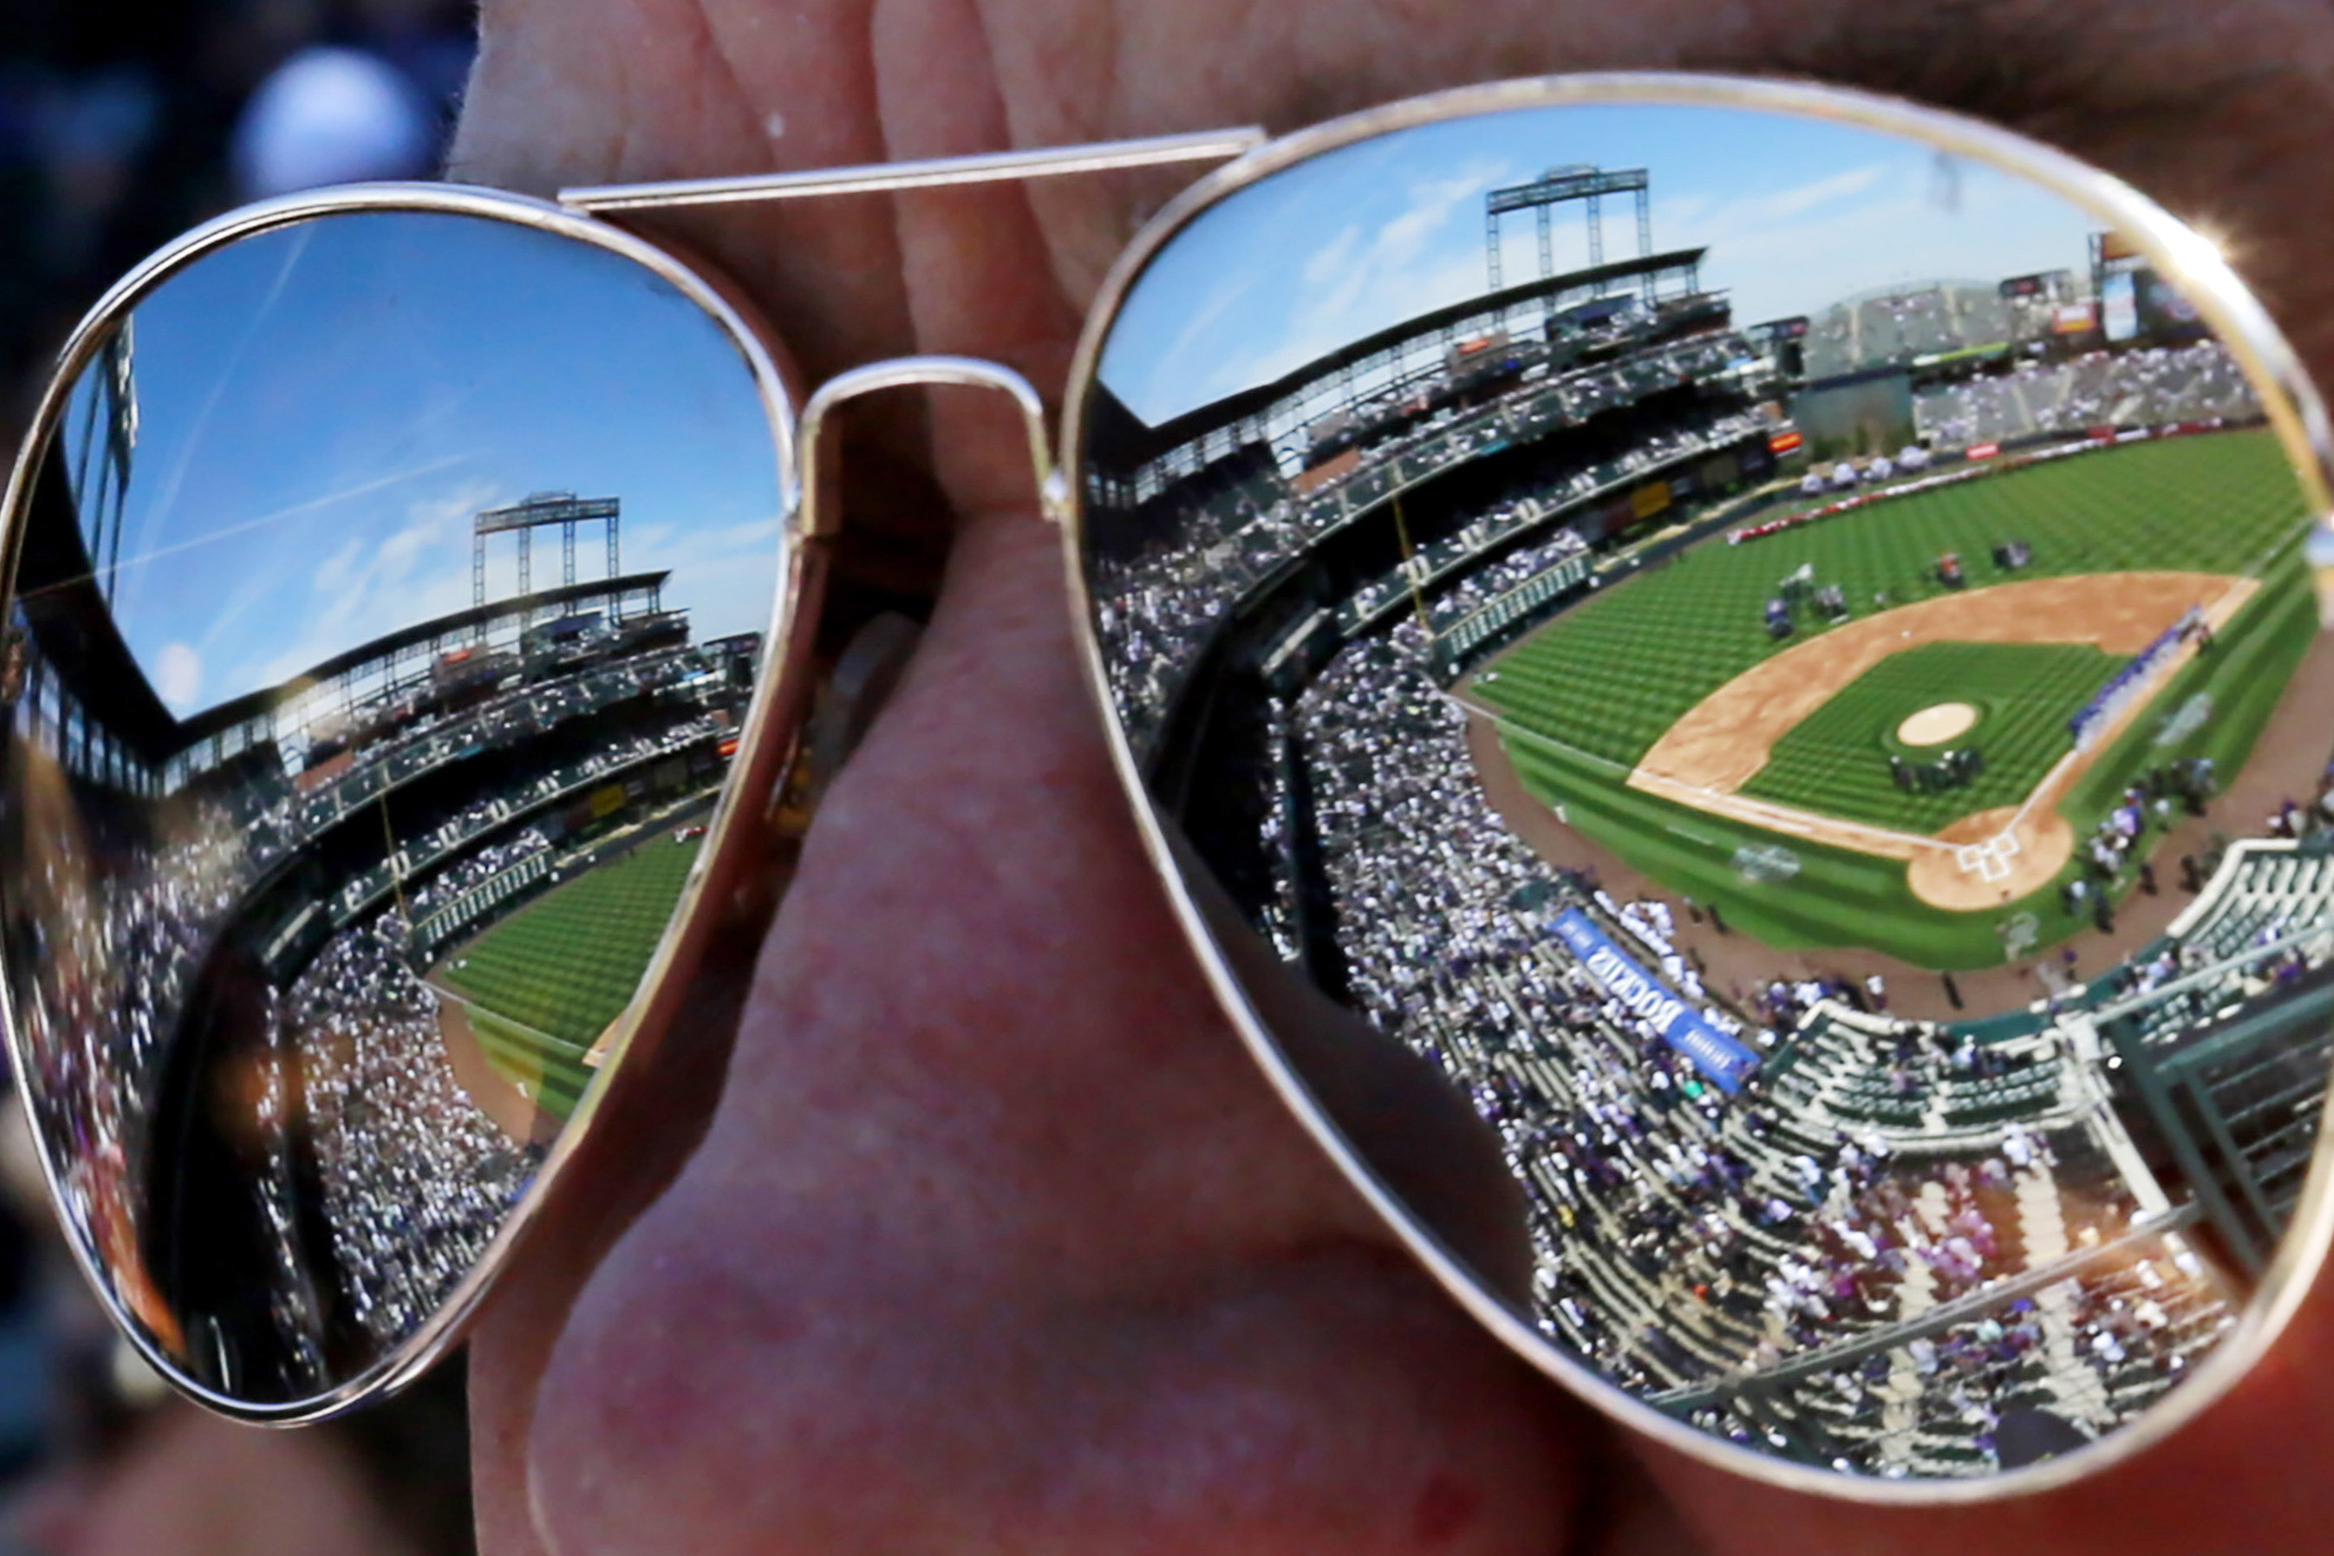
(121, 126)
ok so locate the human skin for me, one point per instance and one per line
(192, 1484)
(994, 1239)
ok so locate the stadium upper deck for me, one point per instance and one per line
(1377, 389)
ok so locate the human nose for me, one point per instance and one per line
(996, 1240)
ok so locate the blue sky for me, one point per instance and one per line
(324, 408)
(1796, 213)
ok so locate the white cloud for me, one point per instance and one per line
(726, 577)
(369, 585)
(178, 677)
(1359, 281)
(1822, 191)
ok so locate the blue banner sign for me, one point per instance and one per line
(1681, 1026)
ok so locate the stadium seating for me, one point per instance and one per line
(2151, 387)
(353, 1090)
(1162, 590)
(1690, 1243)
(1887, 1243)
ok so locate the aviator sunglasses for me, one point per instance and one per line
(1724, 674)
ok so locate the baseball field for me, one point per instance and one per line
(543, 984)
(1757, 774)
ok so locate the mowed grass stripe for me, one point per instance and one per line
(2220, 504)
(546, 982)
(1838, 897)
(552, 1074)
(1612, 674)
(1835, 763)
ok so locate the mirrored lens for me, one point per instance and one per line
(387, 604)
(1767, 682)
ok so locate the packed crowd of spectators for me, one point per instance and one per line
(2091, 1351)
(475, 869)
(415, 1178)
(1689, 1238)
(349, 1085)
(1502, 520)
(1425, 401)
(1157, 602)
(116, 932)
(1484, 585)
(1533, 408)
(280, 1108)
(2154, 386)
(528, 708)
(679, 730)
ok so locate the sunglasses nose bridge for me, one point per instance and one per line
(820, 518)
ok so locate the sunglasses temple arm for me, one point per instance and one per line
(931, 173)
(924, 372)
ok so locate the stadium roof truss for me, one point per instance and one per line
(1563, 186)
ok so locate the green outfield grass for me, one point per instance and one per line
(1836, 763)
(1583, 698)
(544, 983)
(1612, 674)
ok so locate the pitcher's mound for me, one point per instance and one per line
(1933, 726)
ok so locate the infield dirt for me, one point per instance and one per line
(2286, 764)
(1722, 742)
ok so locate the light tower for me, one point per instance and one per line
(1561, 186)
(564, 509)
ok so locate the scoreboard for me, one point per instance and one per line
(2042, 284)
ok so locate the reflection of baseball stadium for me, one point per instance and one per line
(1819, 875)
(337, 953)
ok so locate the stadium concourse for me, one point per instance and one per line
(1840, 1213)
(262, 891)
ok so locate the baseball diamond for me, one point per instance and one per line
(1721, 739)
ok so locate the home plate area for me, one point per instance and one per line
(1990, 860)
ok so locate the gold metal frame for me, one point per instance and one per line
(2182, 256)
(935, 173)
(796, 428)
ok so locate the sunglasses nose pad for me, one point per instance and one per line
(393, 583)
(1733, 681)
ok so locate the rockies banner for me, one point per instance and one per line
(1681, 1026)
